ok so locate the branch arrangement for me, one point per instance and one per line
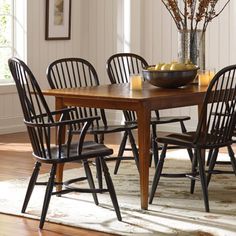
(193, 14)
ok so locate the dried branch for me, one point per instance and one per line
(193, 12)
(214, 15)
(174, 11)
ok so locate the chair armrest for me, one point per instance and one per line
(43, 130)
(57, 112)
(61, 123)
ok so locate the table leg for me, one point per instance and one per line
(59, 176)
(144, 117)
(60, 167)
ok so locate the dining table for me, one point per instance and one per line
(143, 102)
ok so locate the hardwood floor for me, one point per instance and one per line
(16, 162)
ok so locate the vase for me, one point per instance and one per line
(191, 47)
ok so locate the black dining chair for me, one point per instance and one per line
(41, 125)
(119, 68)
(214, 130)
(78, 72)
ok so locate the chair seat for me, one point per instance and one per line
(90, 149)
(182, 139)
(109, 129)
(164, 120)
(169, 119)
(187, 140)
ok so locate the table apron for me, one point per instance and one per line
(85, 102)
(134, 105)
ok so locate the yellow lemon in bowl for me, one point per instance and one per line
(166, 67)
(178, 66)
(158, 66)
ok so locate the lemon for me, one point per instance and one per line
(158, 66)
(166, 66)
(178, 66)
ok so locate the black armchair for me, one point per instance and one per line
(119, 68)
(41, 124)
(77, 72)
(214, 130)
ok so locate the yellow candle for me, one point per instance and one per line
(203, 79)
(136, 82)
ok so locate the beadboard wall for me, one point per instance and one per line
(159, 42)
(98, 31)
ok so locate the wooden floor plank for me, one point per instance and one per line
(17, 162)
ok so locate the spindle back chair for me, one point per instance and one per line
(214, 130)
(78, 72)
(41, 125)
(119, 68)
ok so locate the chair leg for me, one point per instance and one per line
(184, 130)
(190, 153)
(212, 163)
(48, 195)
(120, 152)
(232, 158)
(155, 150)
(31, 185)
(90, 180)
(209, 157)
(158, 173)
(99, 138)
(201, 164)
(134, 148)
(111, 189)
(99, 172)
(194, 168)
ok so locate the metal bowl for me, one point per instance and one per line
(170, 78)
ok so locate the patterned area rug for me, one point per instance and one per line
(174, 210)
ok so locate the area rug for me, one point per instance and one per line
(174, 210)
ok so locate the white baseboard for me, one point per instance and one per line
(11, 125)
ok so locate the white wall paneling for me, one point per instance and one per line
(159, 43)
(10, 113)
(98, 32)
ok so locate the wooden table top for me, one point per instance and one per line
(154, 97)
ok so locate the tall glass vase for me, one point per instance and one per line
(191, 46)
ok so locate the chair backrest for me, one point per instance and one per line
(72, 73)
(121, 65)
(32, 100)
(119, 68)
(40, 120)
(33, 103)
(218, 116)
